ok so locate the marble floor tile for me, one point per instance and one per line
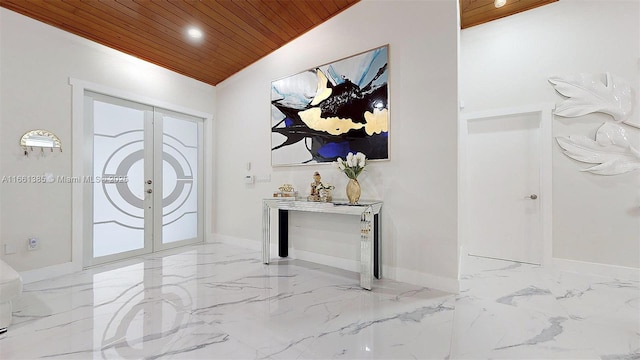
(218, 301)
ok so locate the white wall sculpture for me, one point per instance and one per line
(611, 151)
(588, 93)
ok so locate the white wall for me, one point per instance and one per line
(36, 63)
(506, 63)
(419, 183)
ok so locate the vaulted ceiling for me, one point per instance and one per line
(236, 33)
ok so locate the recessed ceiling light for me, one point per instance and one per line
(194, 33)
(499, 3)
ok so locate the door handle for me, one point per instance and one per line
(149, 191)
(532, 197)
(149, 182)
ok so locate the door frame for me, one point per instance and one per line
(81, 160)
(545, 112)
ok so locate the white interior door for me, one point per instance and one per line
(146, 185)
(503, 188)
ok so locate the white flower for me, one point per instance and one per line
(350, 162)
(361, 159)
(353, 166)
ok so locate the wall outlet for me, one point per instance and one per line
(33, 244)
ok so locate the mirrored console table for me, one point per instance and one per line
(368, 211)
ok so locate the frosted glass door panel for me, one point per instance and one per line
(179, 179)
(146, 184)
(118, 179)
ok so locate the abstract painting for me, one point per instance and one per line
(326, 112)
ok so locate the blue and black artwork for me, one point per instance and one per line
(325, 113)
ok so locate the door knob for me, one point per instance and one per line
(149, 191)
(149, 182)
(533, 196)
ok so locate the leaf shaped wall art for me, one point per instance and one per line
(588, 93)
(611, 150)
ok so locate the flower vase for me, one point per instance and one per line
(353, 191)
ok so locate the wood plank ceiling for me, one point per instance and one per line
(476, 12)
(236, 32)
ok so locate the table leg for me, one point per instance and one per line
(283, 233)
(377, 259)
(366, 249)
(266, 233)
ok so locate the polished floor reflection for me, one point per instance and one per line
(218, 301)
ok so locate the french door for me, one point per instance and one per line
(146, 187)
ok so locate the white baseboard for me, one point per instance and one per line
(340, 263)
(583, 267)
(422, 279)
(237, 241)
(49, 272)
(388, 272)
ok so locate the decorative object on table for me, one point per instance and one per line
(324, 192)
(319, 191)
(352, 167)
(324, 113)
(313, 193)
(286, 191)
